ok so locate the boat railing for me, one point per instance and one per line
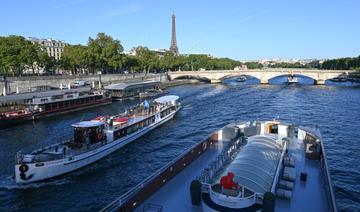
(325, 169)
(20, 156)
(145, 116)
(224, 158)
(141, 185)
(129, 194)
(315, 132)
(232, 201)
(278, 168)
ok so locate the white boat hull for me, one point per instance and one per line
(42, 171)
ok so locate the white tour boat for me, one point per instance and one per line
(94, 140)
(245, 166)
(292, 80)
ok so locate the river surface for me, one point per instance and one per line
(335, 108)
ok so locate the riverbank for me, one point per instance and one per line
(14, 101)
(28, 83)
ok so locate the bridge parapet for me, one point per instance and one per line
(264, 75)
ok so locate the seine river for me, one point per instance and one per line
(207, 107)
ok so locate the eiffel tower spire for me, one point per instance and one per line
(173, 46)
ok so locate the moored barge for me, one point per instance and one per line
(40, 107)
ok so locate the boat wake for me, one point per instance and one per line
(9, 183)
(187, 107)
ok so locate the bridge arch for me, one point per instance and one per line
(254, 75)
(196, 77)
(296, 75)
(264, 75)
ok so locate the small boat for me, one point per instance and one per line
(292, 80)
(94, 140)
(339, 79)
(40, 107)
(241, 79)
(15, 117)
(244, 166)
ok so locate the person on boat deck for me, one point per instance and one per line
(147, 106)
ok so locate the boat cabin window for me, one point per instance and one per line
(273, 129)
(88, 134)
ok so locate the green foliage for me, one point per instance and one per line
(348, 63)
(104, 53)
(195, 62)
(148, 60)
(17, 53)
(131, 63)
(74, 58)
(288, 65)
(253, 65)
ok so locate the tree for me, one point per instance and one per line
(253, 65)
(74, 58)
(17, 53)
(352, 63)
(131, 62)
(104, 53)
(148, 60)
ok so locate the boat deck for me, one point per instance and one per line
(309, 195)
(306, 196)
(57, 152)
(175, 195)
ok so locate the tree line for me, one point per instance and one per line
(348, 63)
(106, 55)
(17, 53)
(101, 54)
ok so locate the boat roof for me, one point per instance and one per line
(168, 98)
(123, 86)
(254, 167)
(84, 124)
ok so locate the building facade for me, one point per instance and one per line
(54, 48)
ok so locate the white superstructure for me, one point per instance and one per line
(244, 166)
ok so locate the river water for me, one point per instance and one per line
(207, 107)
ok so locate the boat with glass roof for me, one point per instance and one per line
(94, 140)
(244, 166)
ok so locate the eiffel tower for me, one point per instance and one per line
(173, 46)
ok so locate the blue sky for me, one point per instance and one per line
(239, 29)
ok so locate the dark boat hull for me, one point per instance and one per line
(14, 121)
(35, 116)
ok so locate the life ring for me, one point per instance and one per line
(23, 168)
(203, 146)
(99, 136)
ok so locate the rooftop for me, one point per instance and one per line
(254, 167)
(123, 86)
(83, 124)
(168, 98)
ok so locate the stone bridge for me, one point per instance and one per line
(264, 75)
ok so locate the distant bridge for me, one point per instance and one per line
(264, 75)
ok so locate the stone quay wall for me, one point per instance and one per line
(24, 84)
